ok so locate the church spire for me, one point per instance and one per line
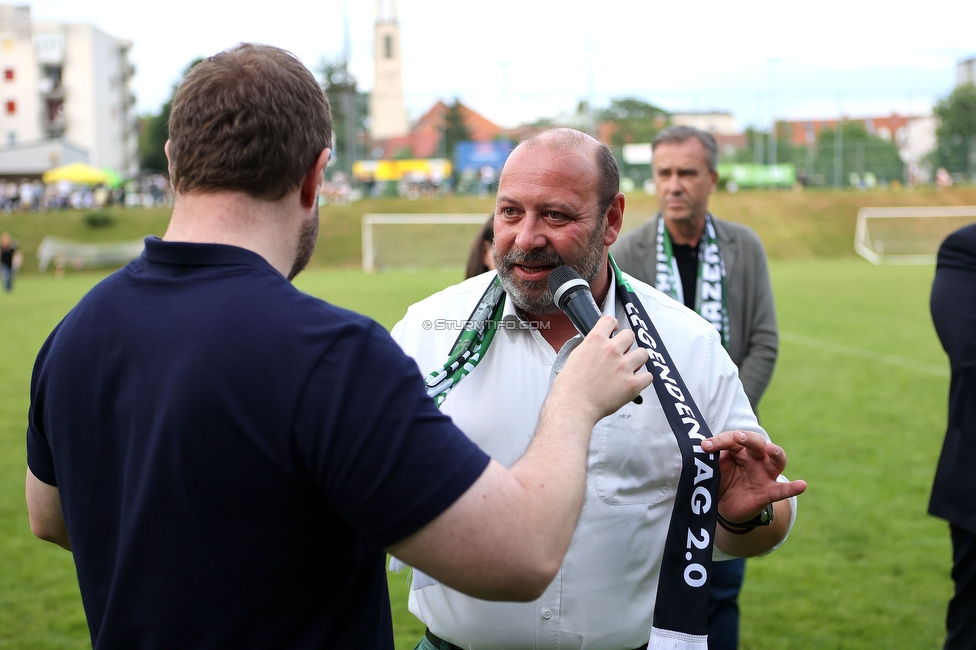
(386, 11)
(387, 109)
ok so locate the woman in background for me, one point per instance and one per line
(480, 260)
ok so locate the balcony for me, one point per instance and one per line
(50, 92)
(54, 127)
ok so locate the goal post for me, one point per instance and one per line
(78, 255)
(907, 235)
(418, 240)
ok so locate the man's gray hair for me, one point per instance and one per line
(682, 133)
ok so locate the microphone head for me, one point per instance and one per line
(563, 282)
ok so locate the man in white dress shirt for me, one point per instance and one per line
(558, 203)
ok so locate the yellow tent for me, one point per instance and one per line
(78, 172)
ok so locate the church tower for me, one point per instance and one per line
(387, 110)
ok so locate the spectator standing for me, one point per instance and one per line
(10, 260)
(27, 195)
(486, 179)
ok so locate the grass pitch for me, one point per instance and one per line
(858, 400)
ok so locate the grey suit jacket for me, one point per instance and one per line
(753, 336)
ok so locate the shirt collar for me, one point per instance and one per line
(159, 251)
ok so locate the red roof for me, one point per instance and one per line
(424, 139)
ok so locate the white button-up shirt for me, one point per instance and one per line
(603, 596)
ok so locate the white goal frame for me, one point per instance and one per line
(870, 250)
(369, 220)
(78, 255)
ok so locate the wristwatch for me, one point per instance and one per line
(764, 518)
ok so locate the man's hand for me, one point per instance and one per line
(750, 466)
(603, 372)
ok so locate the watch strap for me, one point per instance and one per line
(764, 518)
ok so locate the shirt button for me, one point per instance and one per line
(546, 614)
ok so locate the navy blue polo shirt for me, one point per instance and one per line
(233, 456)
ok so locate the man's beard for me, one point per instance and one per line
(307, 239)
(535, 297)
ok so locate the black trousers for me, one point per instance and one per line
(723, 604)
(961, 615)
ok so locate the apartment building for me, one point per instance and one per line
(64, 88)
(966, 71)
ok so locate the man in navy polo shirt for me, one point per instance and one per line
(230, 459)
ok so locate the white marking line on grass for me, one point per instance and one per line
(889, 359)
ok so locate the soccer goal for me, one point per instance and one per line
(414, 241)
(907, 235)
(63, 253)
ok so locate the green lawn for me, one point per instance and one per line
(858, 401)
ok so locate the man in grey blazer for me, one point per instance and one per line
(718, 268)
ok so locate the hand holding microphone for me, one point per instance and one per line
(572, 295)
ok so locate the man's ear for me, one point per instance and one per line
(313, 180)
(169, 161)
(615, 220)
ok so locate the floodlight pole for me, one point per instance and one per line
(772, 114)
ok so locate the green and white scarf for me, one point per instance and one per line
(471, 344)
(711, 300)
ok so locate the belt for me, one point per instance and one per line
(441, 644)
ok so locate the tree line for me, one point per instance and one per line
(839, 155)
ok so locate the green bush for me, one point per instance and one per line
(99, 220)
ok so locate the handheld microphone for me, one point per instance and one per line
(572, 295)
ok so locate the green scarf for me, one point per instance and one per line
(471, 344)
(711, 300)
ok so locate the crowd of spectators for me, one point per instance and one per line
(34, 195)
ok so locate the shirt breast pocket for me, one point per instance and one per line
(637, 458)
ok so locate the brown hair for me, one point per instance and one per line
(476, 258)
(250, 119)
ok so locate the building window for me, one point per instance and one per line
(11, 107)
(8, 74)
(388, 46)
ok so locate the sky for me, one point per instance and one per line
(515, 61)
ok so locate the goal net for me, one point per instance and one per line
(907, 235)
(414, 241)
(64, 253)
